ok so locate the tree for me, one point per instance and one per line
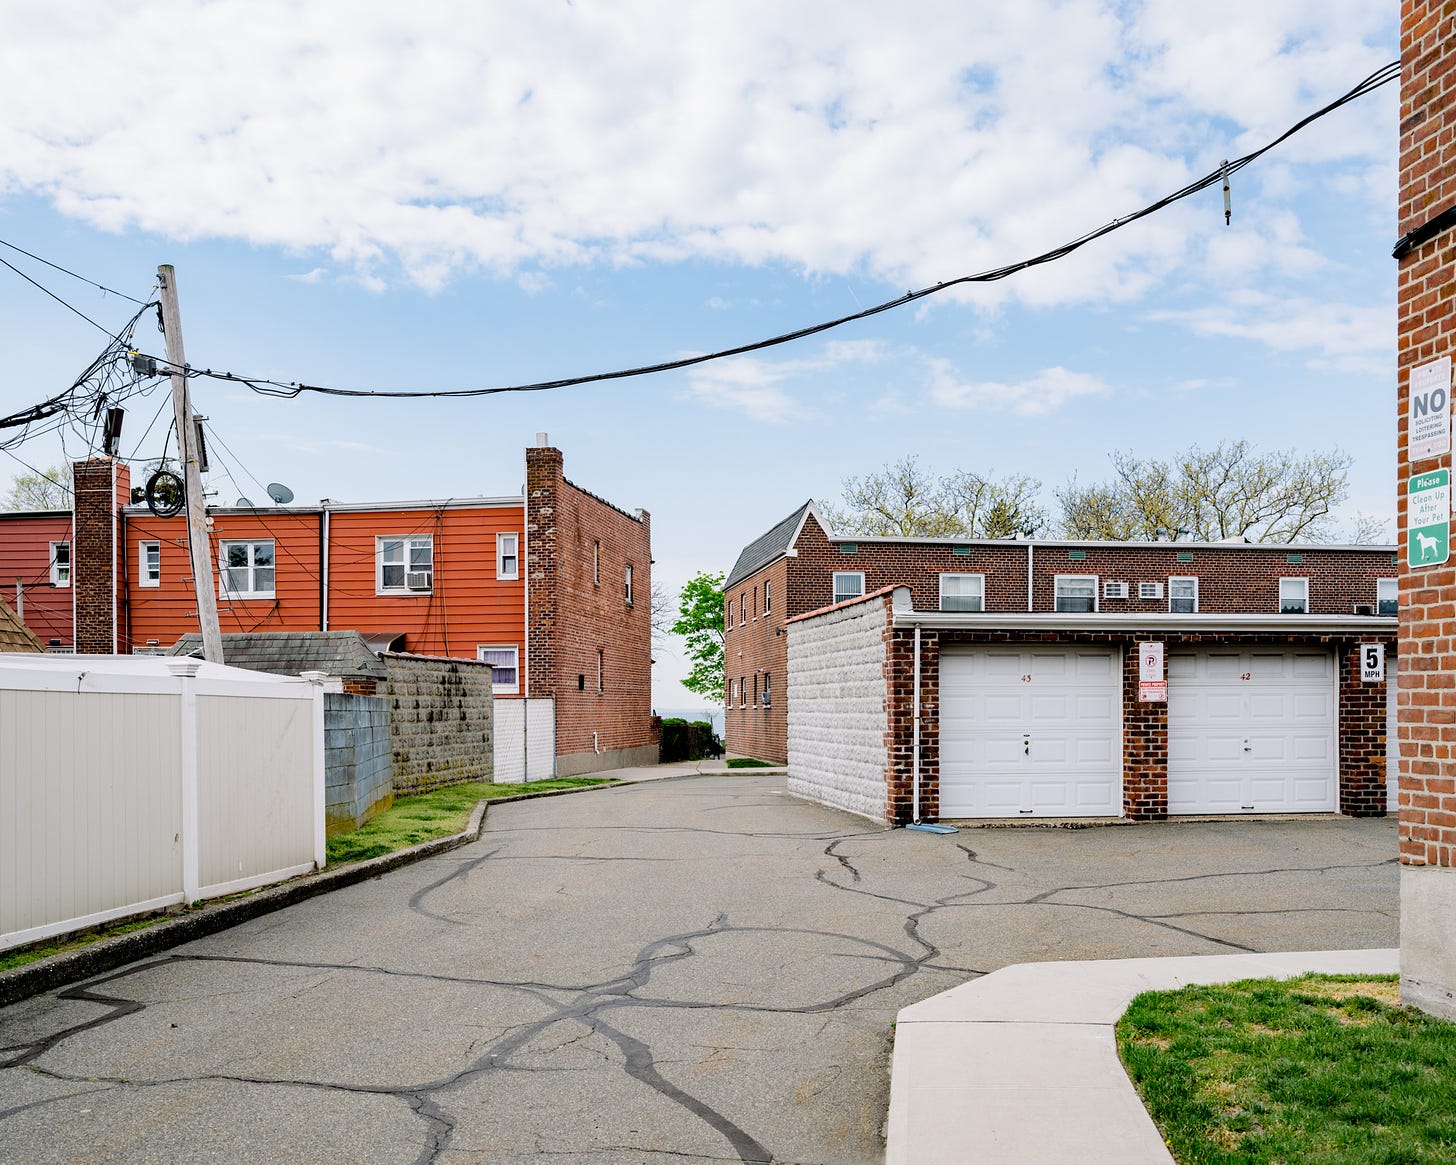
(1229, 491)
(905, 501)
(700, 623)
(660, 615)
(47, 490)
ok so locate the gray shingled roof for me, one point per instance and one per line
(336, 653)
(766, 547)
(14, 634)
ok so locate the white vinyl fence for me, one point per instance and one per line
(525, 740)
(130, 783)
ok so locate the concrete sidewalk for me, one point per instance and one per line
(1020, 1066)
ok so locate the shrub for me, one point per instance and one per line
(688, 740)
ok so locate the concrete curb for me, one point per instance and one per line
(1020, 1067)
(73, 966)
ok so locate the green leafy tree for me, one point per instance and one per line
(700, 623)
(48, 490)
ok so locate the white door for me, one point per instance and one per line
(1252, 731)
(1028, 732)
(1392, 740)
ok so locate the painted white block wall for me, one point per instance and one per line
(837, 717)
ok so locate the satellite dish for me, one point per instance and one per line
(280, 493)
(244, 504)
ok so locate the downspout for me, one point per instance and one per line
(915, 734)
(1030, 576)
(324, 568)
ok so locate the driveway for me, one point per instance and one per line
(677, 971)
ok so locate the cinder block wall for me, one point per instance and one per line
(441, 723)
(1424, 305)
(357, 759)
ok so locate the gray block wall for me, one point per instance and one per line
(441, 723)
(837, 709)
(358, 777)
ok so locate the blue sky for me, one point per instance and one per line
(386, 196)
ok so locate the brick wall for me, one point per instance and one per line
(440, 721)
(578, 550)
(1144, 744)
(102, 485)
(358, 772)
(754, 648)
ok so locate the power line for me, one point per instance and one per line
(72, 274)
(289, 390)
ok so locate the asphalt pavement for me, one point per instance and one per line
(700, 969)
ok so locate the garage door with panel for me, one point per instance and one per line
(1028, 732)
(1252, 731)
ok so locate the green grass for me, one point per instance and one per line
(1327, 1069)
(747, 762)
(426, 816)
(74, 941)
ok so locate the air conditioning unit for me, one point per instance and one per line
(1114, 590)
(1364, 608)
(1150, 590)
(419, 580)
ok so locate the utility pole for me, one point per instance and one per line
(198, 545)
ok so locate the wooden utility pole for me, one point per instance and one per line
(198, 544)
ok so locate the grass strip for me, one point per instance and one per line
(1323, 1068)
(747, 762)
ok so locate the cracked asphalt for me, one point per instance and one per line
(690, 970)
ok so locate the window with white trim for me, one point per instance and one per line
(1183, 595)
(1076, 593)
(767, 605)
(963, 592)
(507, 556)
(1294, 596)
(60, 564)
(732, 692)
(149, 564)
(743, 608)
(505, 667)
(596, 564)
(628, 583)
(767, 695)
(404, 564)
(245, 570)
(743, 691)
(728, 626)
(601, 667)
(848, 584)
(1387, 591)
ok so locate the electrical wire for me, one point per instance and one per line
(289, 390)
(72, 274)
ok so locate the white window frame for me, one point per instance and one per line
(1057, 595)
(596, 564)
(743, 609)
(767, 694)
(498, 688)
(980, 596)
(1393, 586)
(408, 543)
(728, 626)
(767, 606)
(627, 581)
(1182, 578)
(834, 586)
(743, 691)
(1304, 586)
(60, 571)
(507, 546)
(732, 693)
(146, 549)
(226, 594)
(601, 667)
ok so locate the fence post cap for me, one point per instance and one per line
(186, 666)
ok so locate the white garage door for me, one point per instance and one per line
(1251, 731)
(1030, 732)
(1392, 741)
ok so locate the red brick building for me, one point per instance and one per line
(1030, 700)
(551, 587)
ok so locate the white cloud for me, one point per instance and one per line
(1338, 336)
(1046, 392)
(746, 386)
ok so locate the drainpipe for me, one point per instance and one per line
(1030, 575)
(324, 569)
(915, 733)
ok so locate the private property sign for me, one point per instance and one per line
(1428, 518)
(1430, 409)
(1152, 687)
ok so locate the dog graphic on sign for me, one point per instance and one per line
(1427, 544)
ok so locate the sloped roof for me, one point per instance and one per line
(767, 547)
(14, 634)
(336, 653)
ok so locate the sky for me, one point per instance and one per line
(435, 196)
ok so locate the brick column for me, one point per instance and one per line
(102, 486)
(1426, 279)
(1362, 740)
(1144, 747)
(543, 496)
(900, 724)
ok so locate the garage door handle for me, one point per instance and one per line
(1026, 745)
(1248, 747)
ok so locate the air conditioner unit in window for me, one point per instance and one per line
(419, 580)
(1114, 590)
(1364, 608)
(1150, 590)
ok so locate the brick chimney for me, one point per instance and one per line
(544, 479)
(102, 486)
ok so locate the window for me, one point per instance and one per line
(1183, 596)
(728, 626)
(507, 556)
(962, 592)
(755, 602)
(629, 584)
(743, 691)
(596, 564)
(405, 564)
(1294, 596)
(1385, 596)
(767, 606)
(245, 570)
(755, 690)
(505, 675)
(601, 661)
(1076, 592)
(61, 564)
(149, 564)
(732, 692)
(743, 608)
(767, 701)
(848, 584)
